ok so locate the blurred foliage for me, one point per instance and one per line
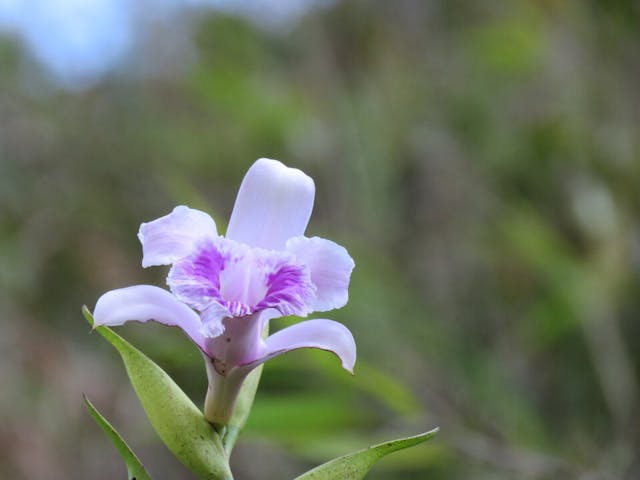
(480, 160)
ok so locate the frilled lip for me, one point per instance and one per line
(222, 278)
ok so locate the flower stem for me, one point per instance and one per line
(222, 394)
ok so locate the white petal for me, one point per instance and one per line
(274, 204)
(330, 267)
(143, 303)
(173, 236)
(323, 334)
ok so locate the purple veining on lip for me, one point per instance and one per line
(195, 279)
(210, 278)
(289, 289)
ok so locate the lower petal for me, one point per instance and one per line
(143, 303)
(322, 334)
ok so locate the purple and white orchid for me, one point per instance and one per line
(225, 289)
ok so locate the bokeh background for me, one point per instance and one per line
(480, 160)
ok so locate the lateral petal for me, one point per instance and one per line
(173, 236)
(143, 303)
(274, 204)
(330, 267)
(323, 334)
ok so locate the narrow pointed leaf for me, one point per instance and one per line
(356, 465)
(175, 418)
(135, 469)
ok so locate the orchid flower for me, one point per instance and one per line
(223, 290)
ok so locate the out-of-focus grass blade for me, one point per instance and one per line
(370, 379)
(175, 418)
(135, 468)
(356, 465)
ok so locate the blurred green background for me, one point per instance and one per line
(480, 161)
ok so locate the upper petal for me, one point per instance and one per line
(323, 334)
(330, 267)
(171, 237)
(274, 204)
(142, 303)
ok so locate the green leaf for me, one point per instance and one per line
(356, 465)
(135, 469)
(242, 409)
(175, 418)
